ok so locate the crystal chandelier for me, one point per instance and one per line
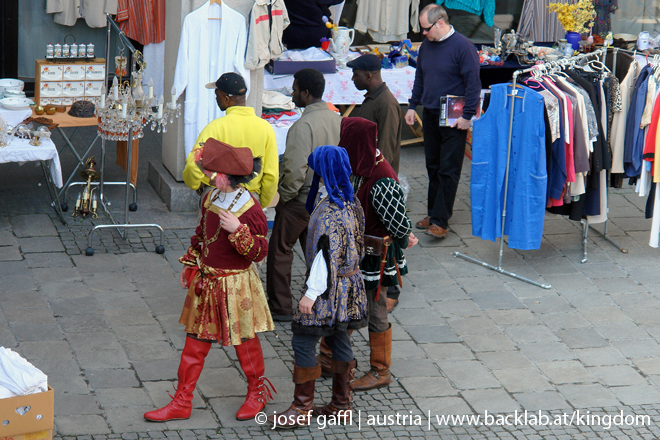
(126, 107)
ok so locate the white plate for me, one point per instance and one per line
(16, 103)
(11, 84)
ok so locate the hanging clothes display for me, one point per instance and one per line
(142, 20)
(604, 10)
(208, 48)
(387, 20)
(527, 185)
(267, 21)
(537, 24)
(478, 7)
(67, 12)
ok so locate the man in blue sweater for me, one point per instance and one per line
(448, 64)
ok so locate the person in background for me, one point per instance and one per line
(240, 127)
(317, 126)
(225, 301)
(447, 64)
(334, 300)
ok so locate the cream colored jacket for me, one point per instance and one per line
(264, 40)
(67, 12)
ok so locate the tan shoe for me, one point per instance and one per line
(436, 231)
(425, 223)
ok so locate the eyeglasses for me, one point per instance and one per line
(428, 29)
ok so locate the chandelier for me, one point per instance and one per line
(126, 108)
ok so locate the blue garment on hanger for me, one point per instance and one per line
(634, 138)
(527, 185)
(487, 7)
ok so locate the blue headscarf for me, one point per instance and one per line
(330, 163)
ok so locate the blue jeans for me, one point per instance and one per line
(304, 348)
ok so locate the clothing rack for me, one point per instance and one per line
(514, 93)
(121, 227)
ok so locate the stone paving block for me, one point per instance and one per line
(433, 333)
(59, 366)
(407, 317)
(69, 306)
(474, 326)
(30, 316)
(139, 333)
(107, 282)
(406, 350)
(566, 372)
(638, 348)
(499, 342)
(545, 352)
(568, 282)
(111, 378)
(452, 309)
(72, 404)
(122, 397)
(33, 225)
(428, 386)
(543, 305)
(48, 260)
(618, 375)
(513, 317)
(100, 359)
(102, 262)
(7, 238)
(26, 299)
(631, 301)
(588, 396)
(567, 320)
(524, 290)
(221, 382)
(501, 360)
(64, 290)
(496, 401)
(162, 370)
(7, 338)
(46, 350)
(587, 298)
(398, 332)
(55, 274)
(524, 334)
(618, 285)
(601, 356)
(12, 268)
(418, 368)
(648, 366)
(159, 393)
(517, 380)
(81, 425)
(439, 406)
(542, 400)
(447, 352)
(40, 244)
(166, 305)
(36, 332)
(552, 266)
(72, 384)
(466, 375)
(129, 420)
(637, 394)
(83, 324)
(603, 314)
(621, 330)
(602, 270)
(582, 338)
(647, 318)
(121, 300)
(10, 253)
(149, 350)
(156, 288)
(17, 283)
(425, 278)
(481, 282)
(130, 316)
(225, 409)
(497, 301)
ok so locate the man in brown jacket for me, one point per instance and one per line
(379, 106)
(317, 126)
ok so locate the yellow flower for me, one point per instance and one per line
(577, 17)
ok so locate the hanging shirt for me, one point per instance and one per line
(477, 7)
(387, 20)
(208, 48)
(617, 138)
(142, 20)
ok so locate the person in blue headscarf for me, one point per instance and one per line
(334, 299)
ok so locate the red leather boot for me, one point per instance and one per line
(192, 363)
(251, 359)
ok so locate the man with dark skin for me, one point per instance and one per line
(317, 126)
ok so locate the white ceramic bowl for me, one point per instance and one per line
(16, 103)
(11, 84)
(628, 37)
(14, 94)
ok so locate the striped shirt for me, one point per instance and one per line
(142, 20)
(538, 24)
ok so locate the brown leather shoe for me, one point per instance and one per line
(424, 223)
(436, 231)
(391, 304)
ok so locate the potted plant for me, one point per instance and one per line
(576, 19)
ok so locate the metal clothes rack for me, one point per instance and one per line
(121, 227)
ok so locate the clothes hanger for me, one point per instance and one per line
(217, 2)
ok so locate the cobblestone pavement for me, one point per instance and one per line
(466, 340)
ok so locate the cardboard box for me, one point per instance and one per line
(277, 67)
(36, 423)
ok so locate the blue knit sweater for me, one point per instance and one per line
(448, 67)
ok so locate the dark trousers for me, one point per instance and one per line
(304, 348)
(444, 148)
(291, 219)
(377, 311)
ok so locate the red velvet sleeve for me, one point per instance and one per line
(249, 239)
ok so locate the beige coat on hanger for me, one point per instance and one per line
(67, 12)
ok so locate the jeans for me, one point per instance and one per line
(304, 348)
(444, 148)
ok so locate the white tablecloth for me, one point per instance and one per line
(20, 150)
(340, 90)
(14, 117)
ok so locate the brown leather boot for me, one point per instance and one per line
(300, 411)
(342, 396)
(381, 360)
(325, 359)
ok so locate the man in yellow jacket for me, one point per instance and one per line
(239, 127)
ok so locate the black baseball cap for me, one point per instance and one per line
(368, 62)
(231, 83)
